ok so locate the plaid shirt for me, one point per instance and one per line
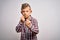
(28, 33)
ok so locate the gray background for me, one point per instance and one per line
(47, 12)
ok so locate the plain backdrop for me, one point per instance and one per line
(47, 13)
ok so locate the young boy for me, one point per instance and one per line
(28, 26)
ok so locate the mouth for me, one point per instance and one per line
(26, 16)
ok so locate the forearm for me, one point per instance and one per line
(18, 27)
(34, 27)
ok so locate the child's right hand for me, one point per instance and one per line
(22, 19)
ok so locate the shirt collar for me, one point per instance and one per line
(30, 17)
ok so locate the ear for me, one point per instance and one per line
(30, 11)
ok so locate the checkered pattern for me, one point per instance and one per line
(28, 33)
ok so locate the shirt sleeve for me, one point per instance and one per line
(19, 27)
(34, 27)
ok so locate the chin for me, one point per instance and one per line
(26, 17)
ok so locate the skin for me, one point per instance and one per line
(26, 14)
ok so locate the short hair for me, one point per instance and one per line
(24, 5)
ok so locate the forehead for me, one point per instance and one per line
(27, 8)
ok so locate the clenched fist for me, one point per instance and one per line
(22, 19)
(28, 23)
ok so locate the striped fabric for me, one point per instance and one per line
(28, 33)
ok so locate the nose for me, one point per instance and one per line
(24, 13)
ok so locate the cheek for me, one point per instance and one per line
(23, 14)
(28, 14)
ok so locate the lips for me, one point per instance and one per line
(26, 16)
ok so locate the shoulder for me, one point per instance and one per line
(34, 19)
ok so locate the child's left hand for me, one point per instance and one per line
(28, 23)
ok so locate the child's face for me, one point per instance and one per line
(26, 12)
